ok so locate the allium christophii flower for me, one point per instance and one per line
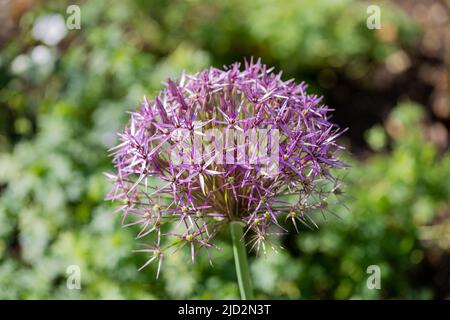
(222, 146)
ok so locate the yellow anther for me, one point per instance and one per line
(292, 214)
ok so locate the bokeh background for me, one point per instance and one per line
(64, 94)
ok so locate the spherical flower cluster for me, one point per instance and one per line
(224, 146)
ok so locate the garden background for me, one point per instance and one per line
(64, 94)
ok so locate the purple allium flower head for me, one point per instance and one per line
(222, 146)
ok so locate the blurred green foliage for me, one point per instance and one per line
(58, 119)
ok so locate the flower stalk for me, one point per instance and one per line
(241, 261)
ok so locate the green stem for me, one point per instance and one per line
(240, 258)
